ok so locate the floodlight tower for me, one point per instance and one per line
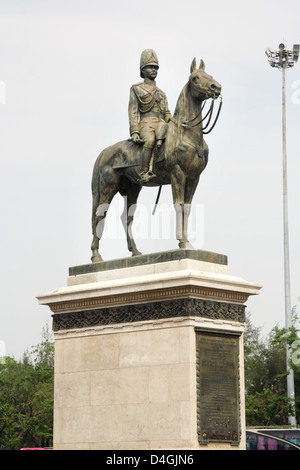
(283, 59)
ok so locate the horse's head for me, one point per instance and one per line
(202, 85)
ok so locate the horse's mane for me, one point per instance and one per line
(180, 105)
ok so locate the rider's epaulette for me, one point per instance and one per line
(136, 85)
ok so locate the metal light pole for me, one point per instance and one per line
(283, 59)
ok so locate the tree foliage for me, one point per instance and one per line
(26, 398)
(267, 403)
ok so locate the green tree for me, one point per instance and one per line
(26, 398)
(265, 375)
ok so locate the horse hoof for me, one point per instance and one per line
(136, 253)
(96, 259)
(186, 246)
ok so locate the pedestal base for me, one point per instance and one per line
(150, 356)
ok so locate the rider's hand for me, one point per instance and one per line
(135, 137)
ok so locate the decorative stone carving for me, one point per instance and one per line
(150, 311)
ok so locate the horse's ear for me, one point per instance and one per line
(202, 65)
(193, 65)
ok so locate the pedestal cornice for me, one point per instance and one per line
(177, 274)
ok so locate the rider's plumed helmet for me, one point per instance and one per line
(148, 57)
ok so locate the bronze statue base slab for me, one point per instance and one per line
(152, 258)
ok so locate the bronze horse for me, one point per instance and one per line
(179, 162)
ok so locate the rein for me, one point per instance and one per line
(187, 123)
(216, 118)
(209, 114)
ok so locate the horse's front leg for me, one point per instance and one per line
(190, 188)
(178, 181)
(186, 213)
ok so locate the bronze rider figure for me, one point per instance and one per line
(148, 112)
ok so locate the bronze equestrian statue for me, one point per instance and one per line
(173, 147)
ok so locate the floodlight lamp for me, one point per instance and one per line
(268, 52)
(283, 58)
(296, 48)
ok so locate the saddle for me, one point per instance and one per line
(132, 156)
(122, 160)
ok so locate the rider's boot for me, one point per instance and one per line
(145, 174)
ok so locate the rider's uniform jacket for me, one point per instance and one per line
(146, 103)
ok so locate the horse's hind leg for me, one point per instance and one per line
(95, 243)
(130, 199)
(98, 227)
(101, 205)
(96, 257)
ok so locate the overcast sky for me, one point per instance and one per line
(66, 68)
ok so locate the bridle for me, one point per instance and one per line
(189, 125)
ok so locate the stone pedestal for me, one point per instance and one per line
(149, 354)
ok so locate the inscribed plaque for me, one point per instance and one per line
(218, 387)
